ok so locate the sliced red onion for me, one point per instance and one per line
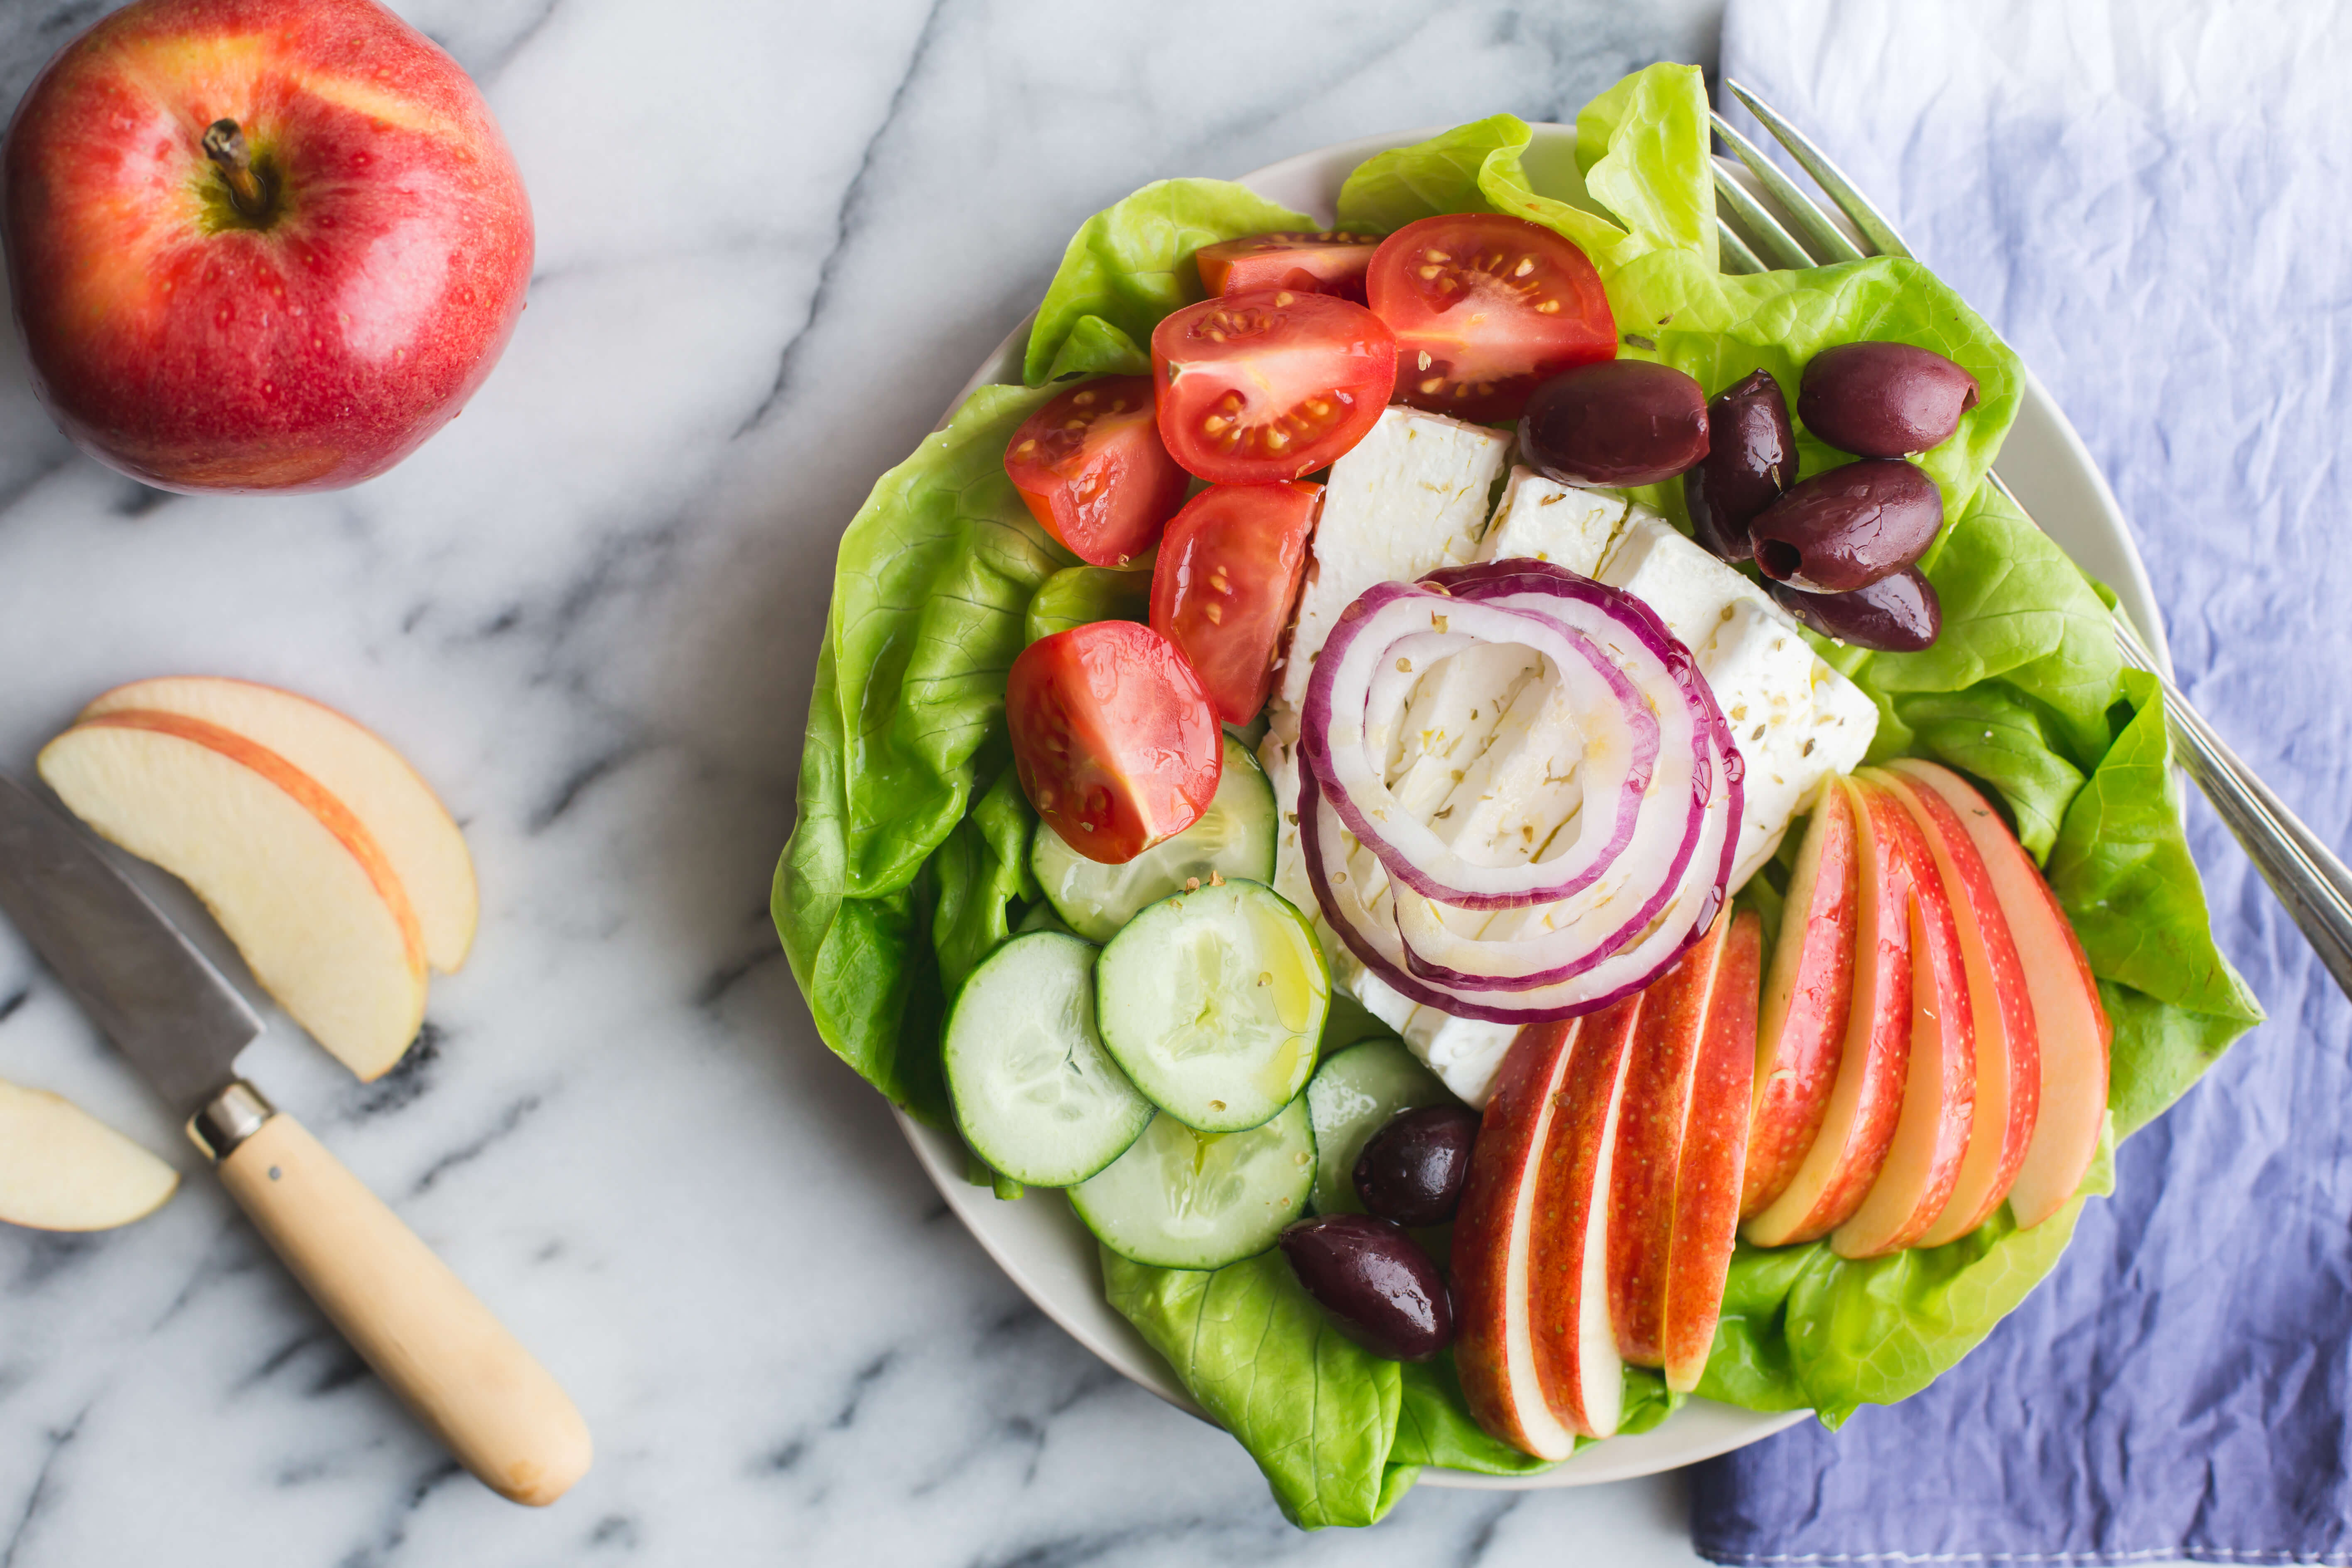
(1532, 959)
(1363, 678)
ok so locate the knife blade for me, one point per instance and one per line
(143, 982)
(429, 1338)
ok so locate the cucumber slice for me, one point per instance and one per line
(1183, 1199)
(1235, 837)
(1035, 1093)
(1212, 1002)
(1354, 1093)
(1041, 917)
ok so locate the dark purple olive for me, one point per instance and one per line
(1884, 399)
(1411, 1170)
(1382, 1291)
(1899, 614)
(1751, 457)
(1847, 528)
(1620, 422)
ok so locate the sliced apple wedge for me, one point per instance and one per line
(1801, 1025)
(1674, 1203)
(299, 885)
(63, 1169)
(1931, 1136)
(1661, 1070)
(1866, 1098)
(1536, 1353)
(1493, 1232)
(1715, 1150)
(1575, 1345)
(2072, 1027)
(2008, 1047)
(351, 762)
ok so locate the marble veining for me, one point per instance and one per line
(772, 240)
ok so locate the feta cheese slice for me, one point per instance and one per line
(1551, 522)
(1795, 720)
(1409, 498)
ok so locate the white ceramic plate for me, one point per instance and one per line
(1040, 1243)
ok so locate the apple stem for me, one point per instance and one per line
(225, 145)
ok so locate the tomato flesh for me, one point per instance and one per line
(1484, 307)
(1327, 263)
(1222, 590)
(1093, 471)
(1113, 737)
(1262, 387)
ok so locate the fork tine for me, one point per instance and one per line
(1830, 242)
(1856, 206)
(1775, 242)
(1736, 255)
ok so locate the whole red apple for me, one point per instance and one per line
(259, 245)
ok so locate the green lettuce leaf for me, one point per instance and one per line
(1434, 1427)
(981, 870)
(1994, 732)
(1078, 595)
(1317, 1411)
(2014, 607)
(934, 577)
(1129, 265)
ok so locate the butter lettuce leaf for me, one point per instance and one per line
(982, 872)
(1990, 730)
(1129, 265)
(1317, 1411)
(933, 580)
(1079, 595)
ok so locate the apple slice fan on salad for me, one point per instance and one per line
(1510, 815)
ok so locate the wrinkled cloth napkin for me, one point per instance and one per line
(2153, 202)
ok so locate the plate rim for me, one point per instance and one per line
(1717, 1428)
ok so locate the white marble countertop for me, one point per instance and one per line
(772, 240)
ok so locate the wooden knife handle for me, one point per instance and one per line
(430, 1339)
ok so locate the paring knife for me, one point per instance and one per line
(430, 1339)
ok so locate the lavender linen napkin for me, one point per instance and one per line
(2153, 202)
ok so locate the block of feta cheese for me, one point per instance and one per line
(1551, 522)
(1796, 720)
(1409, 498)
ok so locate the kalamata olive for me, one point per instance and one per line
(1382, 1291)
(1847, 528)
(1618, 421)
(1884, 399)
(1900, 613)
(1751, 457)
(1411, 1170)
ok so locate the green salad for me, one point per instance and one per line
(911, 864)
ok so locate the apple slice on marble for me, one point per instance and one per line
(1875, 1051)
(2072, 1031)
(296, 880)
(1801, 1024)
(2008, 1047)
(63, 1169)
(351, 762)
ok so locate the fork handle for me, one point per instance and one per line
(2308, 878)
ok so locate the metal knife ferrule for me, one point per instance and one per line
(228, 1118)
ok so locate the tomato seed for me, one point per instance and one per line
(1424, 359)
(1285, 298)
(1083, 398)
(1527, 265)
(1431, 271)
(1432, 384)
(1213, 423)
(1550, 308)
(1434, 256)
(1215, 612)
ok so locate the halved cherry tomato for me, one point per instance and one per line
(1261, 387)
(1114, 738)
(1485, 307)
(1327, 263)
(1222, 589)
(1091, 467)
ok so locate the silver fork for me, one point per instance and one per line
(2308, 878)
